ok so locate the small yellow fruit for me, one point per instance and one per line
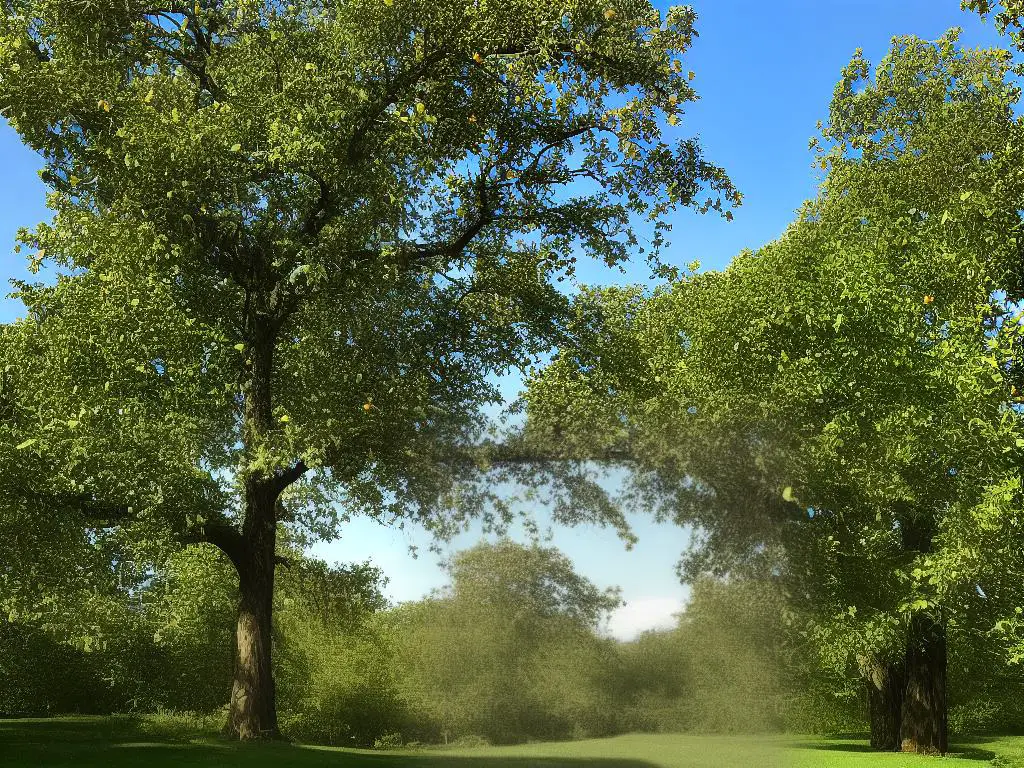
(609, 14)
(367, 407)
(928, 299)
(472, 118)
(478, 58)
(103, 104)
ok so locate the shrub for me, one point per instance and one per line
(388, 741)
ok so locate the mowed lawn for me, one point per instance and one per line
(118, 742)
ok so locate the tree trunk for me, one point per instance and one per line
(253, 709)
(925, 727)
(252, 712)
(924, 721)
(886, 683)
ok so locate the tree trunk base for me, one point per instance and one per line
(924, 729)
(886, 682)
(231, 731)
(252, 713)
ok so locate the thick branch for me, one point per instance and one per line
(284, 477)
(454, 247)
(518, 453)
(227, 539)
(392, 92)
(202, 46)
(99, 513)
(316, 217)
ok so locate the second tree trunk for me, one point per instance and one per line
(886, 684)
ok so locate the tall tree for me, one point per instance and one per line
(822, 397)
(296, 242)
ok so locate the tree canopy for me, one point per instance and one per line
(294, 243)
(822, 407)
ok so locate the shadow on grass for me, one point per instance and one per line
(961, 749)
(833, 746)
(121, 742)
(74, 730)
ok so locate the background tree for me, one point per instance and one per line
(509, 650)
(335, 662)
(296, 243)
(723, 668)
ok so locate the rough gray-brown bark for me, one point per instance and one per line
(252, 712)
(924, 723)
(924, 726)
(886, 684)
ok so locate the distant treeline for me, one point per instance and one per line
(511, 651)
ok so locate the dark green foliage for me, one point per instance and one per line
(334, 660)
(986, 693)
(508, 652)
(40, 676)
(163, 643)
(724, 668)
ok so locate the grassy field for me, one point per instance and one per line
(152, 743)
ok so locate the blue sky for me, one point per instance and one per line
(765, 73)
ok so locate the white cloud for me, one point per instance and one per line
(643, 613)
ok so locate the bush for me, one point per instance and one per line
(979, 716)
(40, 676)
(181, 726)
(388, 741)
(334, 658)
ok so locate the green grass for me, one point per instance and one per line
(855, 753)
(164, 742)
